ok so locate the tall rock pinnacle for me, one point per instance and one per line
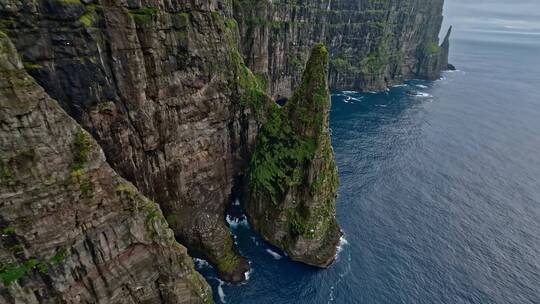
(293, 179)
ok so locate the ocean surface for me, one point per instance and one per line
(440, 192)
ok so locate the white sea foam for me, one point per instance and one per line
(422, 86)
(347, 99)
(248, 273)
(274, 254)
(400, 85)
(342, 243)
(349, 92)
(422, 94)
(356, 99)
(200, 263)
(331, 295)
(235, 222)
(236, 202)
(221, 293)
(382, 106)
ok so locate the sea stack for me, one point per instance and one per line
(292, 178)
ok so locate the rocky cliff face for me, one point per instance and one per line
(373, 43)
(163, 89)
(292, 181)
(71, 229)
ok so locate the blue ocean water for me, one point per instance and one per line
(440, 192)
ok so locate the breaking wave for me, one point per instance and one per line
(235, 222)
(221, 293)
(274, 254)
(200, 263)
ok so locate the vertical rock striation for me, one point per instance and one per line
(372, 43)
(71, 229)
(292, 181)
(434, 59)
(163, 89)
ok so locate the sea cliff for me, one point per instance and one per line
(373, 44)
(169, 100)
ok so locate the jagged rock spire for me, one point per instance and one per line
(293, 179)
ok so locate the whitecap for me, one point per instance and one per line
(274, 254)
(422, 86)
(349, 92)
(221, 293)
(356, 99)
(400, 85)
(382, 106)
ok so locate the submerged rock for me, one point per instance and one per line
(292, 178)
(71, 229)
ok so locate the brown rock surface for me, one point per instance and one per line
(71, 229)
(161, 87)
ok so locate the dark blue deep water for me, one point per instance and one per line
(440, 193)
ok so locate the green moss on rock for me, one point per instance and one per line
(289, 138)
(14, 271)
(82, 145)
(144, 15)
(251, 88)
(292, 177)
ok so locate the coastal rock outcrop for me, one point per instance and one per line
(373, 44)
(292, 179)
(434, 59)
(71, 229)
